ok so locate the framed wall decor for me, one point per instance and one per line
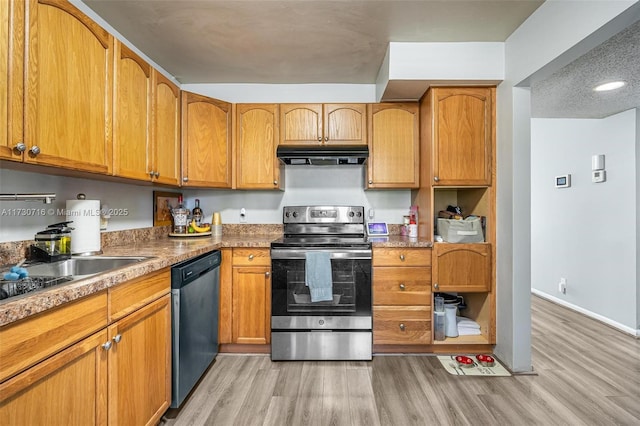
(163, 202)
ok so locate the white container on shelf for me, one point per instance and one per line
(450, 323)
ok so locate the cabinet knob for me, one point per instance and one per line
(326, 138)
(20, 147)
(436, 286)
(250, 257)
(185, 179)
(402, 287)
(107, 346)
(402, 257)
(267, 274)
(402, 326)
(35, 150)
(436, 178)
(275, 182)
(156, 174)
(151, 174)
(117, 338)
(319, 138)
(370, 181)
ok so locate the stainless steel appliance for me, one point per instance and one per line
(337, 329)
(195, 287)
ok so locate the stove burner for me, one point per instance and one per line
(28, 285)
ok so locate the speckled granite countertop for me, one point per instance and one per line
(164, 252)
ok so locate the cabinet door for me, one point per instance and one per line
(300, 124)
(461, 267)
(393, 146)
(206, 142)
(132, 110)
(251, 299)
(345, 124)
(462, 135)
(140, 365)
(69, 80)
(256, 142)
(165, 132)
(69, 388)
(11, 78)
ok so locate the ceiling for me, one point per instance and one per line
(298, 41)
(568, 93)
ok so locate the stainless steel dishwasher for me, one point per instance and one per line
(195, 287)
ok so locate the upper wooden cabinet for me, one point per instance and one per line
(257, 135)
(462, 267)
(69, 77)
(165, 130)
(337, 124)
(462, 121)
(393, 146)
(206, 141)
(12, 16)
(131, 113)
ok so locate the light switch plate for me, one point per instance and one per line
(598, 176)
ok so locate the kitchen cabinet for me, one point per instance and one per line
(401, 296)
(461, 267)
(12, 21)
(257, 135)
(69, 81)
(330, 124)
(105, 358)
(461, 126)
(165, 130)
(245, 300)
(251, 296)
(393, 146)
(131, 115)
(206, 142)
(69, 388)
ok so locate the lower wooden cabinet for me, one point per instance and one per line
(401, 296)
(245, 297)
(119, 375)
(462, 267)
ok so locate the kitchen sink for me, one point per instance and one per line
(83, 266)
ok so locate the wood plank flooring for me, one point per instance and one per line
(587, 374)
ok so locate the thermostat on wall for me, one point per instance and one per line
(563, 181)
(377, 228)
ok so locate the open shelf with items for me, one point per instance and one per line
(479, 309)
(472, 201)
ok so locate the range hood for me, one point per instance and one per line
(322, 155)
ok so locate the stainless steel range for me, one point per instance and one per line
(321, 285)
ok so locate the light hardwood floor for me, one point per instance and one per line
(587, 374)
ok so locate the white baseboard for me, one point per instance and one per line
(598, 317)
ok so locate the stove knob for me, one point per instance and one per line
(351, 214)
(295, 214)
(287, 214)
(358, 214)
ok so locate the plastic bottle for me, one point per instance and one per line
(413, 228)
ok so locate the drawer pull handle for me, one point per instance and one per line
(402, 257)
(267, 274)
(250, 257)
(107, 346)
(402, 327)
(402, 287)
(117, 338)
(436, 286)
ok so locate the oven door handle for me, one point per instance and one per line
(284, 254)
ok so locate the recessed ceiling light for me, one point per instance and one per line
(609, 86)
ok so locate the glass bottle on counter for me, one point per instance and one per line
(196, 214)
(180, 217)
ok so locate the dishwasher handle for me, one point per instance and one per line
(185, 272)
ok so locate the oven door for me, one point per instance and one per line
(351, 277)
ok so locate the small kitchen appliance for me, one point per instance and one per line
(339, 327)
(52, 244)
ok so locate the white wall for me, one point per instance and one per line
(637, 222)
(586, 233)
(303, 185)
(544, 41)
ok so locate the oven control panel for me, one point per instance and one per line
(323, 214)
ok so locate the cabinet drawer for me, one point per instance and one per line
(132, 295)
(251, 257)
(405, 325)
(402, 286)
(402, 257)
(26, 342)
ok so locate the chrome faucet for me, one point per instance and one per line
(46, 198)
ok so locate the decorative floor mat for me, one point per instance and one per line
(472, 365)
